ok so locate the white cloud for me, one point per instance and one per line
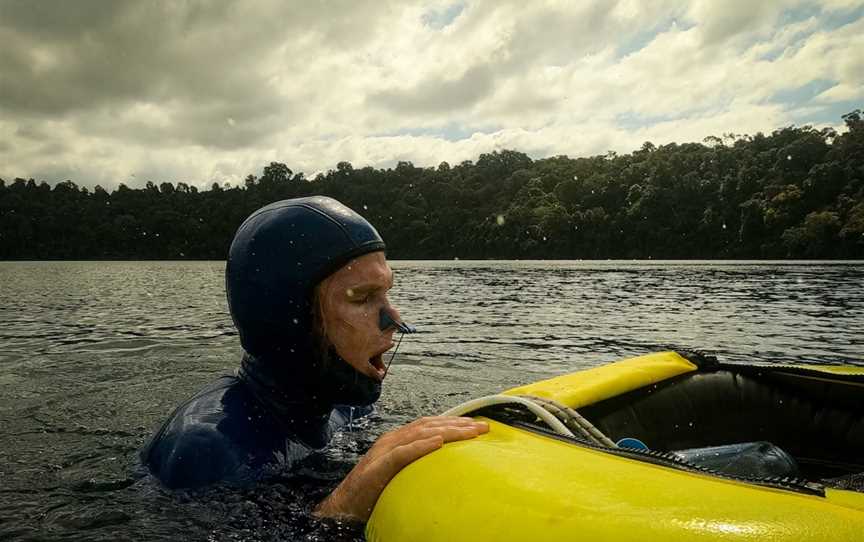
(720, 21)
(841, 93)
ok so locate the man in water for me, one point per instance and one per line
(307, 284)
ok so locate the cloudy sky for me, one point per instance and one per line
(104, 92)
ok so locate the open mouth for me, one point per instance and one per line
(377, 361)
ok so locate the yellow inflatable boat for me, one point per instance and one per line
(667, 446)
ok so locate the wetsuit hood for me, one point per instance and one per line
(278, 256)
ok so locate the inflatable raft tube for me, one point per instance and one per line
(525, 481)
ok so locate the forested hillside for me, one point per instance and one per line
(796, 193)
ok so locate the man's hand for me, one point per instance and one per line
(355, 497)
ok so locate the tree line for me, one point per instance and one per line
(796, 193)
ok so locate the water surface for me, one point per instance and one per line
(94, 355)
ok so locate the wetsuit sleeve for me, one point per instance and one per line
(195, 457)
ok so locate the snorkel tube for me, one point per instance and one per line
(385, 322)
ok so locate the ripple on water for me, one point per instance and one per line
(95, 355)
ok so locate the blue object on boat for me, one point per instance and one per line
(633, 443)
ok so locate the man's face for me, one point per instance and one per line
(352, 298)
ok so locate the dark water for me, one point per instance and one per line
(93, 356)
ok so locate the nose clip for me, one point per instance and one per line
(386, 321)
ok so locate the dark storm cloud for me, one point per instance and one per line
(65, 56)
(205, 61)
(434, 96)
(30, 131)
(738, 19)
(220, 124)
(558, 37)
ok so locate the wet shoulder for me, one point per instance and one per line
(192, 449)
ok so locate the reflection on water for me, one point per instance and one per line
(95, 355)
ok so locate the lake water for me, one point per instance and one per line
(95, 355)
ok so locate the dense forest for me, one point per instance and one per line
(796, 193)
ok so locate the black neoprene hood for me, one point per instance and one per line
(279, 254)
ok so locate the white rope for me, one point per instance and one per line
(573, 420)
(489, 400)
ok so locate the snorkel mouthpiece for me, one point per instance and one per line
(385, 322)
